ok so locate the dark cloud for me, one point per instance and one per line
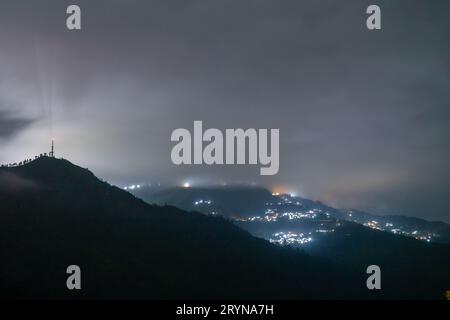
(363, 115)
(11, 124)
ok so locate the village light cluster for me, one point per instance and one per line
(424, 236)
(202, 202)
(272, 216)
(132, 187)
(287, 238)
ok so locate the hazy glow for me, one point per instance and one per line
(367, 130)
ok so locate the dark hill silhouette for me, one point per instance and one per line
(411, 268)
(54, 214)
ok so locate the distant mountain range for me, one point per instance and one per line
(54, 214)
(244, 201)
(440, 231)
(349, 238)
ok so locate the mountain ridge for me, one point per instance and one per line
(127, 248)
(180, 197)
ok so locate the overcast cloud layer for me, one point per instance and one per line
(363, 116)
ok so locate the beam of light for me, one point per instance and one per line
(46, 83)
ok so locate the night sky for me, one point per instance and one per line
(363, 115)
